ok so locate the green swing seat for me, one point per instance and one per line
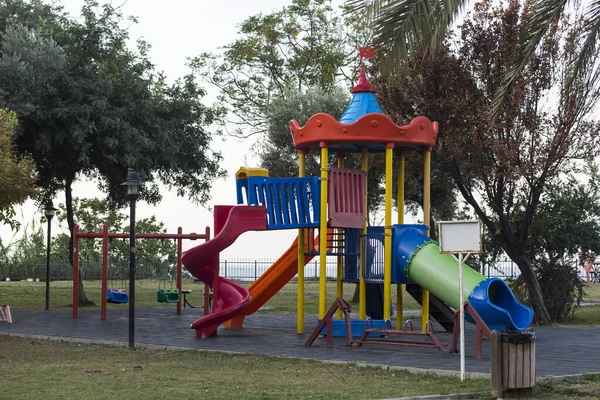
(167, 295)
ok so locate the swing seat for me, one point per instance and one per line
(119, 296)
(167, 295)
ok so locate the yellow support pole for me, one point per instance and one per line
(426, 221)
(339, 292)
(362, 288)
(387, 240)
(323, 231)
(300, 329)
(400, 287)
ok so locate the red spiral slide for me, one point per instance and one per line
(202, 261)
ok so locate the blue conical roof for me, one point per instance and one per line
(363, 101)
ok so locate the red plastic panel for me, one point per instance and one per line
(346, 197)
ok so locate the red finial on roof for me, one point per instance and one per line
(363, 83)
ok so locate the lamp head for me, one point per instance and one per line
(133, 184)
(49, 209)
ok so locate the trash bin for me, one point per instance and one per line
(513, 360)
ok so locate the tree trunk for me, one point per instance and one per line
(82, 298)
(540, 312)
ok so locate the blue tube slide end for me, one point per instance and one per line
(498, 307)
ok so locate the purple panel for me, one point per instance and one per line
(346, 197)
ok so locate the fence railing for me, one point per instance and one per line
(238, 269)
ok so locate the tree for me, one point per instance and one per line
(503, 170)
(108, 112)
(405, 27)
(17, 173)
(304, 45)
(277, 152)
(567, 221)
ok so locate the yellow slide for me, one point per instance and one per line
(271, 281)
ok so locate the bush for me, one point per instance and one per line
(561, 286)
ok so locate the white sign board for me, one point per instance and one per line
(460, 237)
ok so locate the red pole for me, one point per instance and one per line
(179, 246)
(75, 270)
(206, 287)
(104, 271)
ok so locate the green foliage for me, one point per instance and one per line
(277, 152)
(561, 287)
(306, 44)
(408, 28)
(568, 219)
(17, 173)
(104, 109)
(29, 68)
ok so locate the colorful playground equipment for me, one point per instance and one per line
(120, 296)
(335, 203)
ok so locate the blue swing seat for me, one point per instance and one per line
(119, 296)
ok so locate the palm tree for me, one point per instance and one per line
(404, 27)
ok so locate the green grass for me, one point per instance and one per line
(31, 296)
(583, 316)
(36, 369)
(592, 292)
(586, 387)
(39, 369)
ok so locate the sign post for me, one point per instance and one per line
(462, 238)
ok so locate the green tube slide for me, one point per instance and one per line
(438, 273)
(417, 258)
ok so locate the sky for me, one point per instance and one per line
(177, 30)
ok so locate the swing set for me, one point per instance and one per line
(165, 295)
(114, 295)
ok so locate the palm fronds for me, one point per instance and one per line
(401, 27)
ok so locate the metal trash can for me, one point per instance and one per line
(513, 361)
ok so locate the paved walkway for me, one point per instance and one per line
(560, 351)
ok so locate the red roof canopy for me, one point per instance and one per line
(373, 131)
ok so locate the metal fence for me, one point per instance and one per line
(238, 269)
(90, 270)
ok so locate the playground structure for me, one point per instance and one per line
(119, 295)
(336, 203)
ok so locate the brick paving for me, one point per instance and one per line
(560, 351)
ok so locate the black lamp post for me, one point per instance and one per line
(49, 212)
(133, 184)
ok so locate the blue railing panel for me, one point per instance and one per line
(290, 202)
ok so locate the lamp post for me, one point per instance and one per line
(49, 212)
(133, 184)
